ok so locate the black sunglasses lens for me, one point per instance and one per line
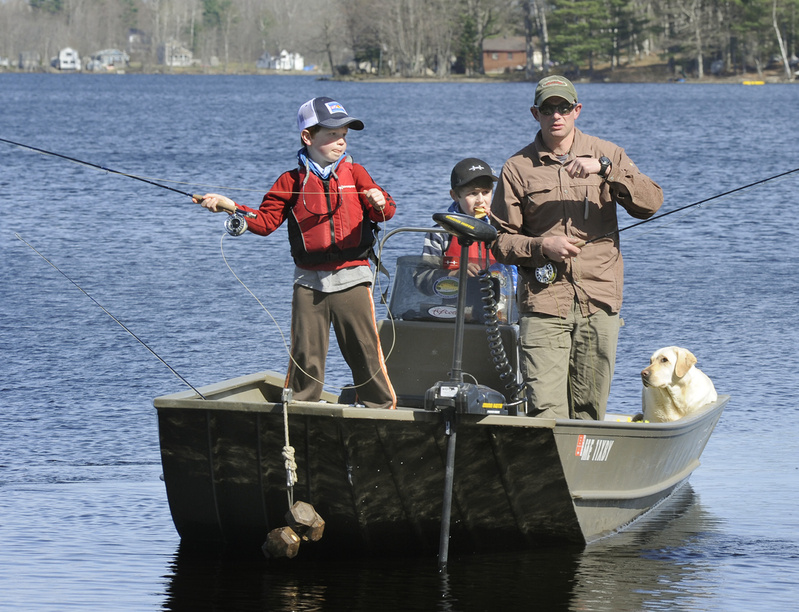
(562, 109)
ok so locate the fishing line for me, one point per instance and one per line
(256, 298)
(158, 182)
(97, 166)
(547, 274)
(235, 229)
(117, 321)
(687, 206)
(280, 329)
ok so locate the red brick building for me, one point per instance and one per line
(507, 55)
(504, 54)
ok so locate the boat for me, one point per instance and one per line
(457, 467)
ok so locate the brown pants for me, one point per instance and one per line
(352, 314)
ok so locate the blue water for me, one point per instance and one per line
(84, 520)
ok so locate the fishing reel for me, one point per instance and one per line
(236, 224)
(546, 274)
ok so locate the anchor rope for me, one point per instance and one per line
(288, 457)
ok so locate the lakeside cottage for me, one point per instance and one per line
(172, 53)
(284, 61)
(68, 59)
(507, 55)
(108, 59)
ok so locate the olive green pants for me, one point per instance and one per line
(568, 363)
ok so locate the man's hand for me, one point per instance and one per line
(582, 167)
(561, 248)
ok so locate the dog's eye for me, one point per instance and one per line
(664, 360)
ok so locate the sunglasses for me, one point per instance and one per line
(562, 109)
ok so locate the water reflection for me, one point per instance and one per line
(662, 563)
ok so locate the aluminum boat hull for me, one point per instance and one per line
(377, 476)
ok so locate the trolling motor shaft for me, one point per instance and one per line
(453, 397)
(456, 395)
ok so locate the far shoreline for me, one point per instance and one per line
(651, 73)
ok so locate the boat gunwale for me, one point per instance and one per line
(189, 400)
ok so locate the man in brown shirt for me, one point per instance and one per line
(554, 196)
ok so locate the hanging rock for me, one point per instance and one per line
(305, 521)
(281, 542)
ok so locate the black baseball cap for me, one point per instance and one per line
(469, 169)
(327, 113)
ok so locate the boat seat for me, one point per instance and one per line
(419, 354)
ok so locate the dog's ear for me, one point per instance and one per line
(685, 359)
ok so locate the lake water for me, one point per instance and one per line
(84, 519)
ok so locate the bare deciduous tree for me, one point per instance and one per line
(413, 37)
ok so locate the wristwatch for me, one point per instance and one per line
(604, 164)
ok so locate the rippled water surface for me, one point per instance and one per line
(84, 520)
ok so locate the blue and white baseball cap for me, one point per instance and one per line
(327, 113)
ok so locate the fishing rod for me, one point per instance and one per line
(99, 167)
(547, 274)
(235, 225)
(687, 206)
(117, 321)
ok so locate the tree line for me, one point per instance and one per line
(411, 38)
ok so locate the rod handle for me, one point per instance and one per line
(229, 208)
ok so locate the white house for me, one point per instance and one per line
(290, 61)
(67, 59)
(285, 61)
(172, 53)
(108, 59)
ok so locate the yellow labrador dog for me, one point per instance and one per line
(673, 387)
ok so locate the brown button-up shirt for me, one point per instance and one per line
(535, 198)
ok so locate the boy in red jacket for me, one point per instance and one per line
(331, 205)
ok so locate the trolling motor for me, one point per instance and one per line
(456, 395)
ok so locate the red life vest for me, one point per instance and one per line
(327, 226)
(477, 254)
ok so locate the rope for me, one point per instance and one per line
(288, 456)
